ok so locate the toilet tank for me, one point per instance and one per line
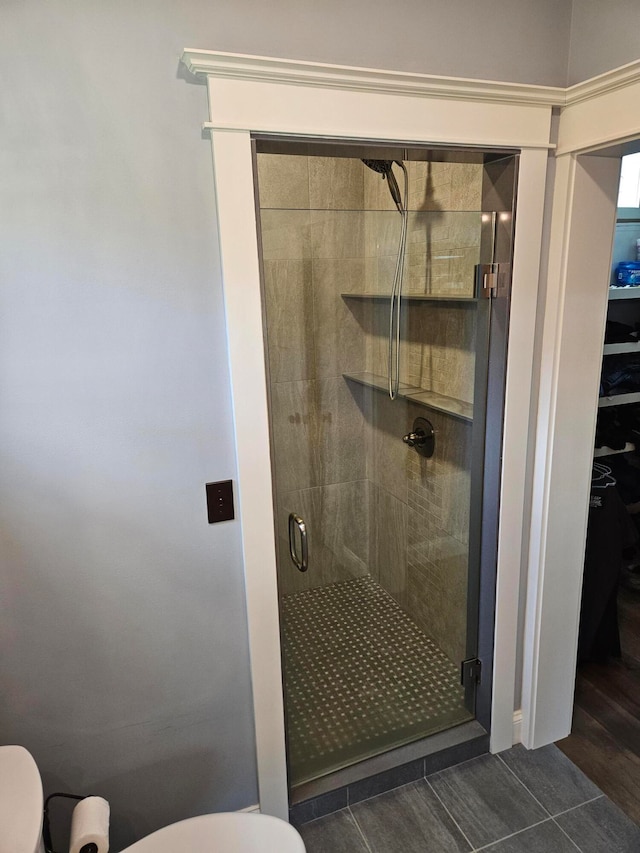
(20, 802)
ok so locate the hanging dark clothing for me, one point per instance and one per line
(609, 533)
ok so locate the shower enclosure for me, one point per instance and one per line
(385, 504)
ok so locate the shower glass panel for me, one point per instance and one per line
(376, 625)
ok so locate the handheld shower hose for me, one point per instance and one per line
(385, 168)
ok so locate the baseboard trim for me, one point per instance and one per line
(517, 727)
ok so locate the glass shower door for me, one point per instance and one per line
(374, 497)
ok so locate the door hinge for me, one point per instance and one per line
(470, 671)
(487, 281)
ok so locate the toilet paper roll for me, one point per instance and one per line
(90, 825)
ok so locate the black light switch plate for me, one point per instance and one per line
(220, 501)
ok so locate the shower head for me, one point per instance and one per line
(381, 166)
(385, 168)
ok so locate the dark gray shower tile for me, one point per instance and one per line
(543, 838)
(317, 807)
(410, 819)
(553, 780)
(386, 781)
(337, 833)
(600, 827)
(486, 800)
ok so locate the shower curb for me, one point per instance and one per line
(308, 808)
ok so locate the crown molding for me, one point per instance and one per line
(609, 81)
(240, 66)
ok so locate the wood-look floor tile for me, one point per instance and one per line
(486, 801)
(552, 779)
(543, 838)
(336, 833)
(600, 827)
(410, 819)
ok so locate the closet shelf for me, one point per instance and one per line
(607, 451)
(624, 293)
(429, 399)
(616, 349)
(619, 399)
(410, 297)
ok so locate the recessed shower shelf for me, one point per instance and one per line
(429, 399)
(411, 297)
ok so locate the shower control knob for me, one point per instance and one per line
(422, 437)
(413, 438)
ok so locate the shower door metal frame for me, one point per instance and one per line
(493, 318)
(283, 97)
(492, 324)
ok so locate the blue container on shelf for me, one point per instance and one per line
(628, 273)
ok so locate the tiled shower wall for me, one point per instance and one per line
(371, 504)
(420, 507)
(313, 249)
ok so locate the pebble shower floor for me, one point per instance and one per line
(360, 678)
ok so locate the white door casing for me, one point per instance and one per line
(261, 95)
(598, 115)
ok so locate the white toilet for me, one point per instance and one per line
(21, 805)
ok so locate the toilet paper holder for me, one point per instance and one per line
(46, 826)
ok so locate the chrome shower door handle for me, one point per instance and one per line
(301, 563)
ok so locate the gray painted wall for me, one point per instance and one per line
(513, 40)
(604, 35)
(124, 663)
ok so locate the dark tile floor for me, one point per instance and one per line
(517, 802)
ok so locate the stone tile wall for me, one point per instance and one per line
(420, 507)
(312, 242)
(372, 505)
